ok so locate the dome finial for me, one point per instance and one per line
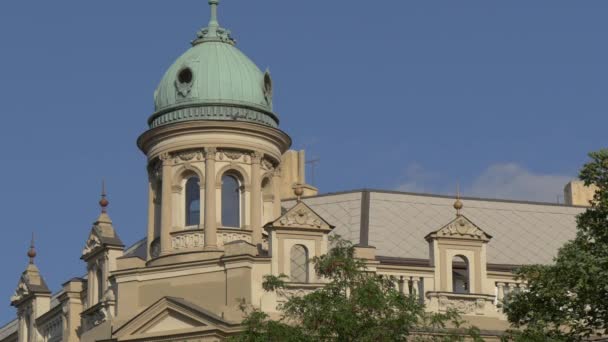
(32, 252)
(103, 202)
(213, 23)
(458, 204)
(213, 32)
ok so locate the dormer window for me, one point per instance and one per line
(460, 274)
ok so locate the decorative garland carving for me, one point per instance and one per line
(462, 227)
(267, 165)
(301, 218)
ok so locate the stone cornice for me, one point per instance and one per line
(273, 135)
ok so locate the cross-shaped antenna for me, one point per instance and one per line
(313, 165)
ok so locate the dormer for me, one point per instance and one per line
(294, 238)
(458, 253)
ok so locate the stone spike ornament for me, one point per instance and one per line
(31, 253)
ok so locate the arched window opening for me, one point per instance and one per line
(231, 201)
(193, 202)
(460, 274)
(99, 277)
(299, 264)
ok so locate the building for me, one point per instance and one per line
(228, 203)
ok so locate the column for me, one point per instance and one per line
(500, 295)
(210, 203)
(256, 198)
(151, 216)
(276, 191)
(415, 287)
(166, 211)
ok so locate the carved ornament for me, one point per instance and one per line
(301, 216)
(92, 243)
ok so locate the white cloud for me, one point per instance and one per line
(499, 181)
(417, 179)
(512, 181)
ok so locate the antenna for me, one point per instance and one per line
(313, 165)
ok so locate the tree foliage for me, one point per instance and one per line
(354, 305)
(568, 300)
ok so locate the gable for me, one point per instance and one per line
(170, 320)
(301, 216)
(172, 316)
(460, 228)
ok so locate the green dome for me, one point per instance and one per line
(213, 80)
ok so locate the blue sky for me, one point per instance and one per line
(504, 97)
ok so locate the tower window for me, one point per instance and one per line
(299, 264)
(193, 202)
(460, 275)
(99, 276)
(231, 198)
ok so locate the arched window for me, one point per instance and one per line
(193, 202)
(460, 274)
(99, 276)
(299, 264)
(231, 201)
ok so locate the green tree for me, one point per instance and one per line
(355, 305)
(568, 300)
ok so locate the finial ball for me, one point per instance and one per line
(458, 204)
(31, 253)
(298, 190)
(104, 202)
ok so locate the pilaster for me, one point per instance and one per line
(210, 210)
(256, 198)
(166, 206)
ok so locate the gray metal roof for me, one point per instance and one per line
(523, 232)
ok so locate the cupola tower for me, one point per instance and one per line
(214, 150)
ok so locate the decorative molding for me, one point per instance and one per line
(52, 331)
(155, 248)
(256, 157)
(463, 303)
(303, 217)
(210, 153)
(187, 240)
(461, 228)
(231, 154)
(267, 165)
(92, 244)
(22, 291)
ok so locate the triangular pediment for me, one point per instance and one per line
(92, 245)
(460, 228)
(170, 320)
(301, 216)
(171, 316)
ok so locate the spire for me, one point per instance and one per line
(103, 202)
(32, 252)
(458, 204)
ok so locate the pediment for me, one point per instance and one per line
(301, 216)
(170, 320)
(170, 316)
(460, 228)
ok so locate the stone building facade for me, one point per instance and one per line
(223, 212)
